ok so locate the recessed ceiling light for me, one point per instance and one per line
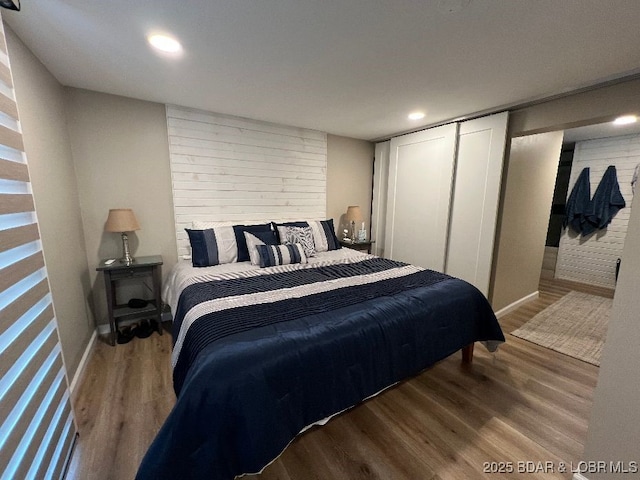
(416, 115)
(625, 120)
(164, 43)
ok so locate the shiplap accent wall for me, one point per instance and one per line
(593, 260)
(231, 169)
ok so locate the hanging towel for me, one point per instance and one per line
(634, 179)
(578, 203)
(605, 203)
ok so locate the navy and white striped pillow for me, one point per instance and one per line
(259, 238)
(324, 235)
(240, 230)
(223, 243)
(274, 255)
(213, 246)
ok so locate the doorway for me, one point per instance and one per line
(593, 259)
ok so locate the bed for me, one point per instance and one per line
(261, 354)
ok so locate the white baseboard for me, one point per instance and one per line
(579, 476)
(83, 363)
(517, 304)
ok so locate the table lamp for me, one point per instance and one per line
(122, 220)
(353, 215)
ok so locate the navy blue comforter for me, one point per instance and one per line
(276, 353)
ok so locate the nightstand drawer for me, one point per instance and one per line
(131, 272)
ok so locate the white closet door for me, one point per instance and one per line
(474, 208)
(379, 203)
(420, 176)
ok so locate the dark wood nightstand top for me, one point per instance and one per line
(360, 246)
(139, 262)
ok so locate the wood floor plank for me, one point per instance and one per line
(541, 422)
(524, 403)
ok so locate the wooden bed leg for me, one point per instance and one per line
(467, 354)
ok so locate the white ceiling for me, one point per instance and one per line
(347, 67)
(601, 130)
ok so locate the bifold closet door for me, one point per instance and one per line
(420, 177)
(476, 193)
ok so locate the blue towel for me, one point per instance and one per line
(606, 202)
(578, 203)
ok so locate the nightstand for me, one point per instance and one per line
(142, 268)
(360, 246)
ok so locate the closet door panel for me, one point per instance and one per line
(379, 202)
(478, 174)
(420, 176)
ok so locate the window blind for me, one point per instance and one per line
(37, 427)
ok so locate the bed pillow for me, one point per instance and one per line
(280, 228)
(243, 251)
(259, 238)
(213, 246)
(298, 235)
(324, 236)
(241, 244)
(274, 255)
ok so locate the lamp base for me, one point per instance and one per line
(127, 259)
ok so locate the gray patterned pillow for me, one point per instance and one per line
(301, 235)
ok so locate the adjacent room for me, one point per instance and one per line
(296, 239)
(582, 255)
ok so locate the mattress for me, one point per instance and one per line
(261, 354)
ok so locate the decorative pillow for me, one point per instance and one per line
(273, 255)
(238, 230)
(324, 236)
(213, 246)
(301, 235)
(259, 238)
(280, 229)
(243, 251)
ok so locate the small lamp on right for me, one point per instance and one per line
(353, 215)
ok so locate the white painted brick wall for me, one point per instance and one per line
(593, 260)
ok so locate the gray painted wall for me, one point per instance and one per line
(523, 219)
(349, 178)
(42, 116)
(121, 160)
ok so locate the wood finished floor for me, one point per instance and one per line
(526, 403)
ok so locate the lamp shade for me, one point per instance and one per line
(354, 214)
(121, 220)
